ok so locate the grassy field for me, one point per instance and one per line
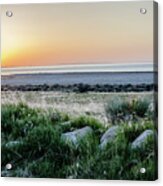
(33, 123)
(75, 104)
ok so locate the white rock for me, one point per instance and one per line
(141, 139)
(108, 136)
(77, 135)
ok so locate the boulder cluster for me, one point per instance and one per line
(78, 135)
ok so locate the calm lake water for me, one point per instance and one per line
(75, 78)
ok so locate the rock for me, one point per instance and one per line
(108, 136)
(141, 139)
(76, 136)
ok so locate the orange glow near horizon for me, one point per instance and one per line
(79, 33)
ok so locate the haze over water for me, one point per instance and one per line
(146, 67)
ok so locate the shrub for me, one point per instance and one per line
(58, 117)
(140, 106)
(117, 109)
(18, 120)
(120, 109)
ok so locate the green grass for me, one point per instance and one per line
(31, 142)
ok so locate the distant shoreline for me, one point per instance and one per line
(82, 88)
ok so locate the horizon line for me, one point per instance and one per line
(125, 67)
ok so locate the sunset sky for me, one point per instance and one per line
(80, 33)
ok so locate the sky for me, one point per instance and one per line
(76, 33)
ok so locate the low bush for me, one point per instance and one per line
(121, 109)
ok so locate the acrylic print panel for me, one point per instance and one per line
(78, 90)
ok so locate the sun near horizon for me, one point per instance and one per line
(76, 33)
